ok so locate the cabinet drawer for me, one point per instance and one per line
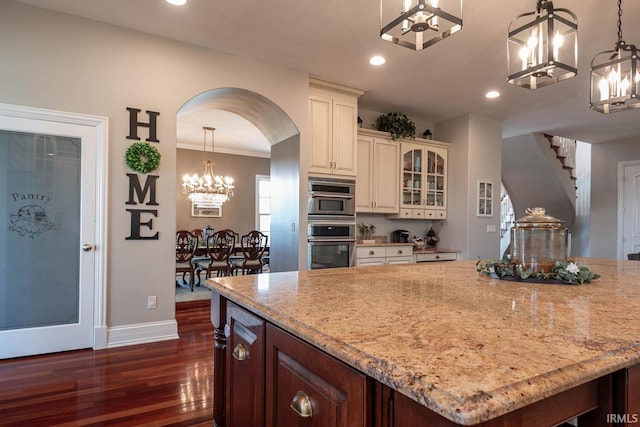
(406, 213)
(370, 261)
(370, 252)
(440, 256)
(311, 388)
(403, 251)
(245, 367)
(400, 260)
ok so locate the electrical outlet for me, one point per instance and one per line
(152, 302)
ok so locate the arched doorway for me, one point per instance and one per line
(283, 138)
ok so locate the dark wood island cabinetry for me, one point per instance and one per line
(310, 349)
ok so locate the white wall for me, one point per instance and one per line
(60, 62)
(474, 155)
(603, 227)
(485, 163)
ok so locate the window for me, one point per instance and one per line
(263, 204)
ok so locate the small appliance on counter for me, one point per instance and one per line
(432, 238)
(400, 236)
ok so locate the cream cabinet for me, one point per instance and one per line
(423, 186)
(377, 180)
(333, 116)
(384, 255)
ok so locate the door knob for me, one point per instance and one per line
(87, 247)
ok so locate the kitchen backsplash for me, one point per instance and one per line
(385, 226)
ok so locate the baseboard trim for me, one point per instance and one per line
(142, 333)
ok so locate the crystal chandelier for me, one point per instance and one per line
(615, 83)
(542, 46)
(418, 24)
(208, 190)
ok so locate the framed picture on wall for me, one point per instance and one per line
(205, 212)
(485, 198)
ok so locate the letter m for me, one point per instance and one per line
(136, 190)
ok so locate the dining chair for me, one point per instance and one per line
(254, 245)
(186, 244)
(198, 232)
(220, 246)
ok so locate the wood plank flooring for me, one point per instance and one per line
(160, 384)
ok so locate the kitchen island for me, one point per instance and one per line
(434, 342)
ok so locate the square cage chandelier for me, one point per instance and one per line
(542, 46)
(418, 24)
(615, 77)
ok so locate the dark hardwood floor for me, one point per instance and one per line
(160, 384)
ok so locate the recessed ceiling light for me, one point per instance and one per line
(177, 2)
(492, 94)
(377, 60)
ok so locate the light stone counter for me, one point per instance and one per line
(467, 346)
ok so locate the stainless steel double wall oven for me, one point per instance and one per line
(331, 223)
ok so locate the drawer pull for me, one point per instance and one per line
(371, 253)
(399, 251)
(301, 404)
(437, 256)
(240, 352)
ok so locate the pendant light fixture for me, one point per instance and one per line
(417, 24)
(615, 83)
(208, 190)
(542, 46)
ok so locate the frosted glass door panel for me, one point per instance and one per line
(40, 235)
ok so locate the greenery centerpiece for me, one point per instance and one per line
(566, 272)
(397, 124)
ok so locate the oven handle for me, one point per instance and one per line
(315, 194)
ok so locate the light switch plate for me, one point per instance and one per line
(491, 228)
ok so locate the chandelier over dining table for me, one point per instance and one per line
(208, 190)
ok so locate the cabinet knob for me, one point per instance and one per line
(301, 404)
(437, 256)
(372, 253)
(240, 352)
(399, 251)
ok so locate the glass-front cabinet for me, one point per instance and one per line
(424, 181)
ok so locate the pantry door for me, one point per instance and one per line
(48, 186)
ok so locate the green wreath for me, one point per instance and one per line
(142, 157)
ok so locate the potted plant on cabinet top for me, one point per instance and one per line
(397, 124)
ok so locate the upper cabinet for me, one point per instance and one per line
(333, 117)
(423, 185)
(377, 181)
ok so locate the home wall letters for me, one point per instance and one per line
(137, 192)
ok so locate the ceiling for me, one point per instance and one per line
(334, 39)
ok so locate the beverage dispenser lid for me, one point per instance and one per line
(536, 217)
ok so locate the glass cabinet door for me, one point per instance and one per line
(412, 175)
(435, 178)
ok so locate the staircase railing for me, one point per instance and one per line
(565, 149)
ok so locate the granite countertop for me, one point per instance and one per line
(467, 346)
